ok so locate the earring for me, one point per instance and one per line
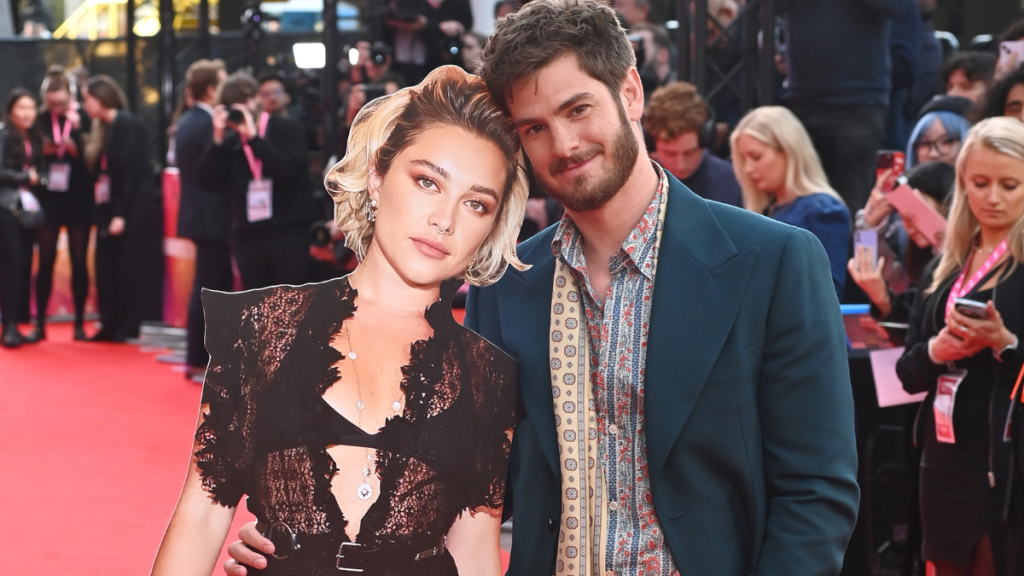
(371, 210)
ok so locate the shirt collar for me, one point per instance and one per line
(638, 248)
(205, 107)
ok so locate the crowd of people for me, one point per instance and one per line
(77, 161)
(74, 158)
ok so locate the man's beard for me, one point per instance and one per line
(581, 195)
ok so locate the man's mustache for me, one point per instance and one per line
(563, 164)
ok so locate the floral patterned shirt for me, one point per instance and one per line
(617, 326)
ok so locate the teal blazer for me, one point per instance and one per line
(749, 411)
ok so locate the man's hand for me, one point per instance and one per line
(33, 176)
(452, 28)
(356, 101)
(242, 556)
(116, 227)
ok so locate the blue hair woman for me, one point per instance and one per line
(939, 132)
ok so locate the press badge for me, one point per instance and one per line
(59, 177)
(259, 200)
(945, 401)
(29, 202)
(102, 189)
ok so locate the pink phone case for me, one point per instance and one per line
(926, 218)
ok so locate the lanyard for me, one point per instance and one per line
(28, 153)
(256, 165)
(960, 289)
(58, 138)
(103, 163)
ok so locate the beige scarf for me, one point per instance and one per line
(581, 538)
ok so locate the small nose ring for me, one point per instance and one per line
(442, 232)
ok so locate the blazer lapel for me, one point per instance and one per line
(700, 280)
(525, 310)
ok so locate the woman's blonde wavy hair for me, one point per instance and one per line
(384, 127)
(1001, 135)
(780, 129)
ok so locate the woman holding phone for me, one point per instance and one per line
(368, 429)
(967, 364)
(890, 277)
(67, 198)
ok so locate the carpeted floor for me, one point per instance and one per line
(94, 444)
(95, 441)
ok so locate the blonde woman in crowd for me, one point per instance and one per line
(781, 177)
(966, 358)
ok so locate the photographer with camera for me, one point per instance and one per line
(426, 34)
(259, 160)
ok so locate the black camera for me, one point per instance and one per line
(373, 91)
(319, 235)
(379, 52)
(235, 116)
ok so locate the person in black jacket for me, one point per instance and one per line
(427, 34)
(20, 179)
(129, 214)
(67, 198)
(966, 364)
(203, 214)
(259, 163)
(840, 76)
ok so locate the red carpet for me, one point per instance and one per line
(95, 441)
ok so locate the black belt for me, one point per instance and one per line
(352, 557)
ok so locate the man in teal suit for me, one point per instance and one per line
(722, 409)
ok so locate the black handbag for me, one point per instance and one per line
(27, 219)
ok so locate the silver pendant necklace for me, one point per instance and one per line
(364, 491)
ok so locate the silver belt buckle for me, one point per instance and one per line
(435, 551)
(341, 556)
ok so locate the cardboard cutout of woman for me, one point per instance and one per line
(369, 431)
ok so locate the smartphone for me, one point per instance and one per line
(911, 205)
(971, 308)
(1011, 55)
(890, 160)
(869, 239)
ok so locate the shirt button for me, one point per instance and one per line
(613, 506)
(613, 429)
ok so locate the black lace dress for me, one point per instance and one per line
(268, 428)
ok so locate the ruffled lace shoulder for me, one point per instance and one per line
(247, 335)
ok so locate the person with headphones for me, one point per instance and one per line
(682, 127)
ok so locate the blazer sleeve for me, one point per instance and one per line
(134, 168)
(213, 166)
(283, 152)
(915, 368)
(805, 405)
(9, 176)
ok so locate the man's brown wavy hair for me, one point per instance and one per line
(675, 109)
(545, 30)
